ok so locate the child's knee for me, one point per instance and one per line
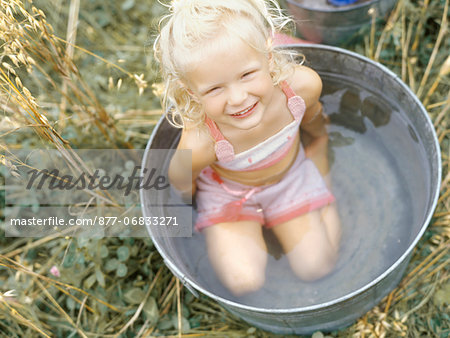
(314, 265)
(245, 278)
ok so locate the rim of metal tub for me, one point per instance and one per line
(355, 293)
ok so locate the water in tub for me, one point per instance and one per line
(377, 165)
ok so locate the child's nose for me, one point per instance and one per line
(237, 95)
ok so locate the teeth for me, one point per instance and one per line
(243, 112)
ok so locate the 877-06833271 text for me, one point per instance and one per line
(162, 221)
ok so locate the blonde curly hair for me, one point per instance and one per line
(192, 23)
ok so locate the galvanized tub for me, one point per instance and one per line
(319, 22)
(365, 101)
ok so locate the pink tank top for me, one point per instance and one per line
(266, 153)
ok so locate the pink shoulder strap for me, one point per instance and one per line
(224, 149)
(296, 104)
(214, 130)
(287, 89)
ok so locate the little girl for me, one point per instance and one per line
(241, 104)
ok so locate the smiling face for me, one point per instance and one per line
(232, 83)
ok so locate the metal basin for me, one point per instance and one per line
(319, 22)
(386, 172)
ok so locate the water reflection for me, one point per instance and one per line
(353, 109)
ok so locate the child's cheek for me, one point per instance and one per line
(265, 86)
(213, 105)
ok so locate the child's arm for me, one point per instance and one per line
(313, 121)
(307, 83)
(184, 163)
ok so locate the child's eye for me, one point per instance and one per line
(212, 90)
(247, 74)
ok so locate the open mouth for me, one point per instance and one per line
(246, 112)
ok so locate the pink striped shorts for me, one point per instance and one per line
(300, 191)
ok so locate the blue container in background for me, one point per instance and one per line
(320, 22)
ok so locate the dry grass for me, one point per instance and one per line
(55, 93)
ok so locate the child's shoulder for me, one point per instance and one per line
(306, 83)
(198, 139)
